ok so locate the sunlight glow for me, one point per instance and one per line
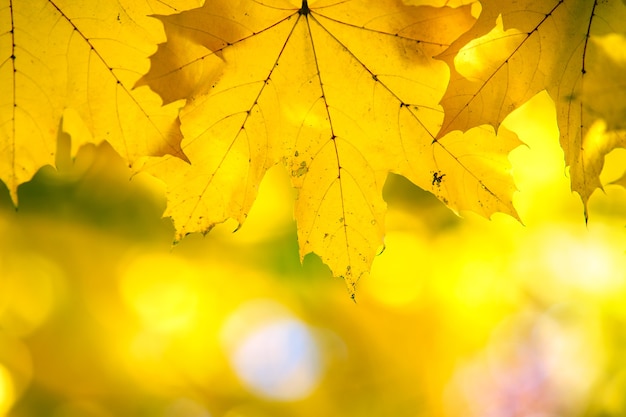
(30, 290)
(533, 365)
(472, 61)
(7, 391)
(162, 290)
(274, 354)
(397, 276)
(588, 261)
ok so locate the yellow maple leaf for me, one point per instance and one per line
(517, 49)
(342, 93)
(71, 56)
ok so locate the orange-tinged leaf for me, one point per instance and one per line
(439, 3)
(517, 49)
(589, 92)
(604, 92)
(586, 165)
(57, 55)
(342, 93)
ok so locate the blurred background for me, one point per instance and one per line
(462, 316)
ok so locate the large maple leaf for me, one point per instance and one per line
(342, 92)
(77, 58)
(568, 47)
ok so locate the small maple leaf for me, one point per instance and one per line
(517, 49)
(342, 93)
(60, 56)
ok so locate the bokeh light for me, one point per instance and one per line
(586, 259)
(274, 354)
(534, 365)
(7, 391)
(101, 316)
(31, 288)
(16, 371)
(162, 290)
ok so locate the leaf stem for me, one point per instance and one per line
(304, 10)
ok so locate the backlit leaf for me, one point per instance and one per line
(567, 47)
(79, 56)
(340, 92)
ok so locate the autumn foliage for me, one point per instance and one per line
(209, 97)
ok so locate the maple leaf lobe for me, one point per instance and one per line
(340, 118)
